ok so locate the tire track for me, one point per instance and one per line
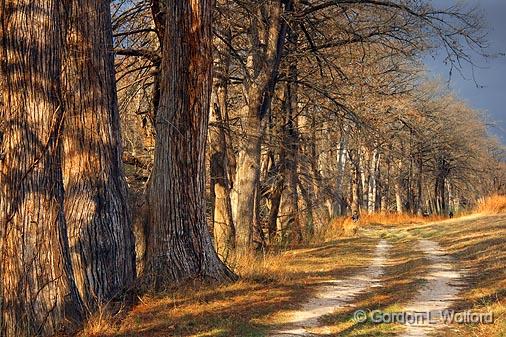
(443, 284)
(335, 294)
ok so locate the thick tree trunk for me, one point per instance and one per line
(179, 243)
(96, 207)
(37, 294)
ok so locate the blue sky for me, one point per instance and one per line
(491, 74)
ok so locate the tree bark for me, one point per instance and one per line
(397, 187)
(341, 166)
(37, 294)
(261, 79)
(96, 207)
(179, 244)
(372, 181)
(289, 219)
(355, 181)
(223, 223)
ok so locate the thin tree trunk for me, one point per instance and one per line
(289, 201)
(220, 186)
(364, 177)
(419, 187)
(179, 243)
(373, 173)
(341, 165)
(355, 181)
(96, 206)
(397, 187)
(38, 296)
(385, 188)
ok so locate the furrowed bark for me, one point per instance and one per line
(179, 245)
(37, 294)
(96, 207)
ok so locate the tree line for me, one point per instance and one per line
(144, 143)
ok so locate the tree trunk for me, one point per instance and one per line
(397, 187)
(355, 181)
(96, 206)
(289, 219)
(372, 182)
(259, 87)
(179, 243)
(364, 177)
(419, 187)
(385, 188)
(220, 186)
(38, 296)
(246, 181)
(341, 165)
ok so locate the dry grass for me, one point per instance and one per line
(479, 244)
(494, 204)
(271, 286)
(344, 226)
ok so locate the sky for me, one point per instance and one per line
(490, 75)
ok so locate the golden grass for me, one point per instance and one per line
(479, 244)
(275, 284)
(343, 226)
(494, 204)
(271, 286)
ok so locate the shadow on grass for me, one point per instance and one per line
(247, 307)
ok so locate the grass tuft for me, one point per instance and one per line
(494, 204)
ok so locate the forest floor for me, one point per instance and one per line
(457, 264)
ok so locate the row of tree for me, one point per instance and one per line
(318, 109)
(314, 109)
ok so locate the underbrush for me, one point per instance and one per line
(494, 204)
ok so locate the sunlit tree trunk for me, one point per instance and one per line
(96, 207)
(220, 184)
(37, 294)
(262, 68)
(364, 177)
(179, 245)
(372, 181)
(385, 188)
(341, 165)
(397, 188)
